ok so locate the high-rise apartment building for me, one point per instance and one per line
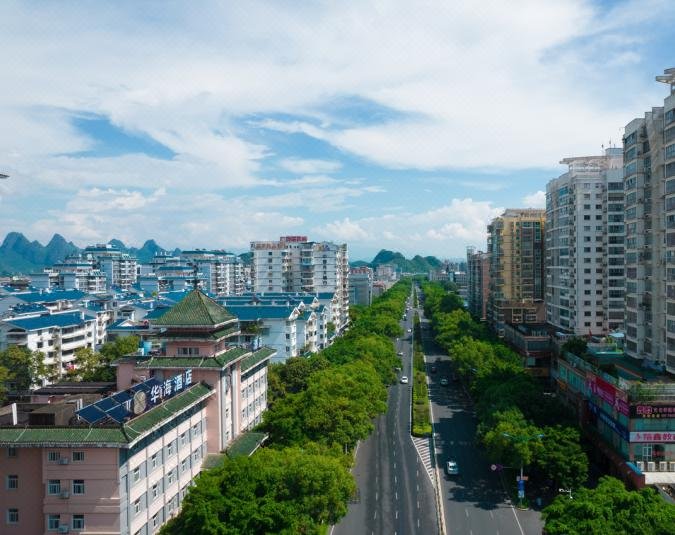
(649, 185)
(294, 264)
(516, 249)
(478, 281)
(119, 268)
(222, 271)
(584, 245)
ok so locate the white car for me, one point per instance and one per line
(451, 468)
(404, 380)
(409, 330)
(400, 353)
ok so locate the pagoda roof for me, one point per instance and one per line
(195, 310)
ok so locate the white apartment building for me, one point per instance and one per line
(74, 273)
(294, 264)
(119, 268)
(57, 336)
(585, 245)
(223, 272)
(649, 185)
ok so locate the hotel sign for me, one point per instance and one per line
(608, 393)
(647, 410)
(171, 386)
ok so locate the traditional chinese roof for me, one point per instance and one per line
(264, 353)
(246, 444)
(109, 435)
(218, 362)
(195, 310)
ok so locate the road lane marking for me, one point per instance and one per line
(375, 515)
(395, 480)
(466, 511)
(418, 504)
(517, 521)
(396, 495)
(376, 495)
(396, 514)
(491, 515)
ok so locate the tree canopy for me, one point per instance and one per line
(610, 508)
(25, 368)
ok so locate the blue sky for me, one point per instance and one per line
(380, 124)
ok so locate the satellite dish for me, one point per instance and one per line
(140, 402)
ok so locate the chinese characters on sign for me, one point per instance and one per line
(171, 386)
(652, 411)
(654, 436)
(616, 398)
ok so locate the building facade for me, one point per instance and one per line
(585, 246)
(649, 186)
(294, 264)
(361, 285)
(516, 249)
(478, 282)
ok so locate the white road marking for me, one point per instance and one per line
(375, 515)
(377, 494)
(466, 511)
(396, 514)
(491, 515)
(517, 521)
(418, 504)
(396, 495)
(395, 480)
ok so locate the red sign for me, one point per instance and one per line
(294, 239)
(647, 410)
(608, 393)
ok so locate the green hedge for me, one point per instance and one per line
(421, 416)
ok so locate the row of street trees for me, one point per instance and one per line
(318, 408)
(520, 425)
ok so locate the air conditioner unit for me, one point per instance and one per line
(63, 460)
(663, 466)
(64, 528)
(64, 494)
(651, 466)
(641, 466)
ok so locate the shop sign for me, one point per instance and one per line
(647, 410)
(607, 392)
(652, 436)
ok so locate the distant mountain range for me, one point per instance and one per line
(418, 264)
(20, 256)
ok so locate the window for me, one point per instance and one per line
(53, 522)
(54, 486)
(137, 474)
(137, 506)
(12, 482)
(53, 456)
(154, 520)
(155, 491)
(170, 477)
(78, 522)
(183, 465)
(11, 452)
(12, 516)
(183, 439)
(78, 486)
(153, 460)
(169, 449)
(78, 456)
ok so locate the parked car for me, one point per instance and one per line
(451, 468)
(400, 353)
(444, 381)
(404, 380)
(409, 330)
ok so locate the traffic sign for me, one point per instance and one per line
(524, 478)
(521, 494)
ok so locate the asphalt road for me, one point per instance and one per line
(474, 502)
(395, 494)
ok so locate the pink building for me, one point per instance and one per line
(125, 463)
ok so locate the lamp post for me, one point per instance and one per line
(522, 438)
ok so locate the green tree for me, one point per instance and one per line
(512, 440)
(26, 367)
(562, 459)
(4, 377)
(575, 345)
(608, 509)
(121, 346)
(289, 491)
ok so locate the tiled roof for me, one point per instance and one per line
(50, 297)
(219, 362)
(257, 357)
(51, 320)
(256, 312)
(112, 436)
(325, 295)
(195, 309)
(246, 444)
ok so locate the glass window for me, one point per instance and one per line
(78, 456)
(153, 460)
(78, 486)
(53, 456)
(137, 474)
(169, 449)
(78, 522)
(53, 522)
(54, 486)
(11, 452)
(137, 506)
(12, 516)
(155, 491)
(12, 482)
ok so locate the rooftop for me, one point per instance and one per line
(66, 319)
(195, 310)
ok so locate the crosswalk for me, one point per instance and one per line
(423, 447)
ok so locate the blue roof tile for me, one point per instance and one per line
(51, 320)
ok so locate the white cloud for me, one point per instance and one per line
(309, 167)
(343, 231)
(535, 200)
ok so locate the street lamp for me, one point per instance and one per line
(523, 438)
(566, 491)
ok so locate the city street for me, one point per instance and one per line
(395, 494)
(474, 502)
